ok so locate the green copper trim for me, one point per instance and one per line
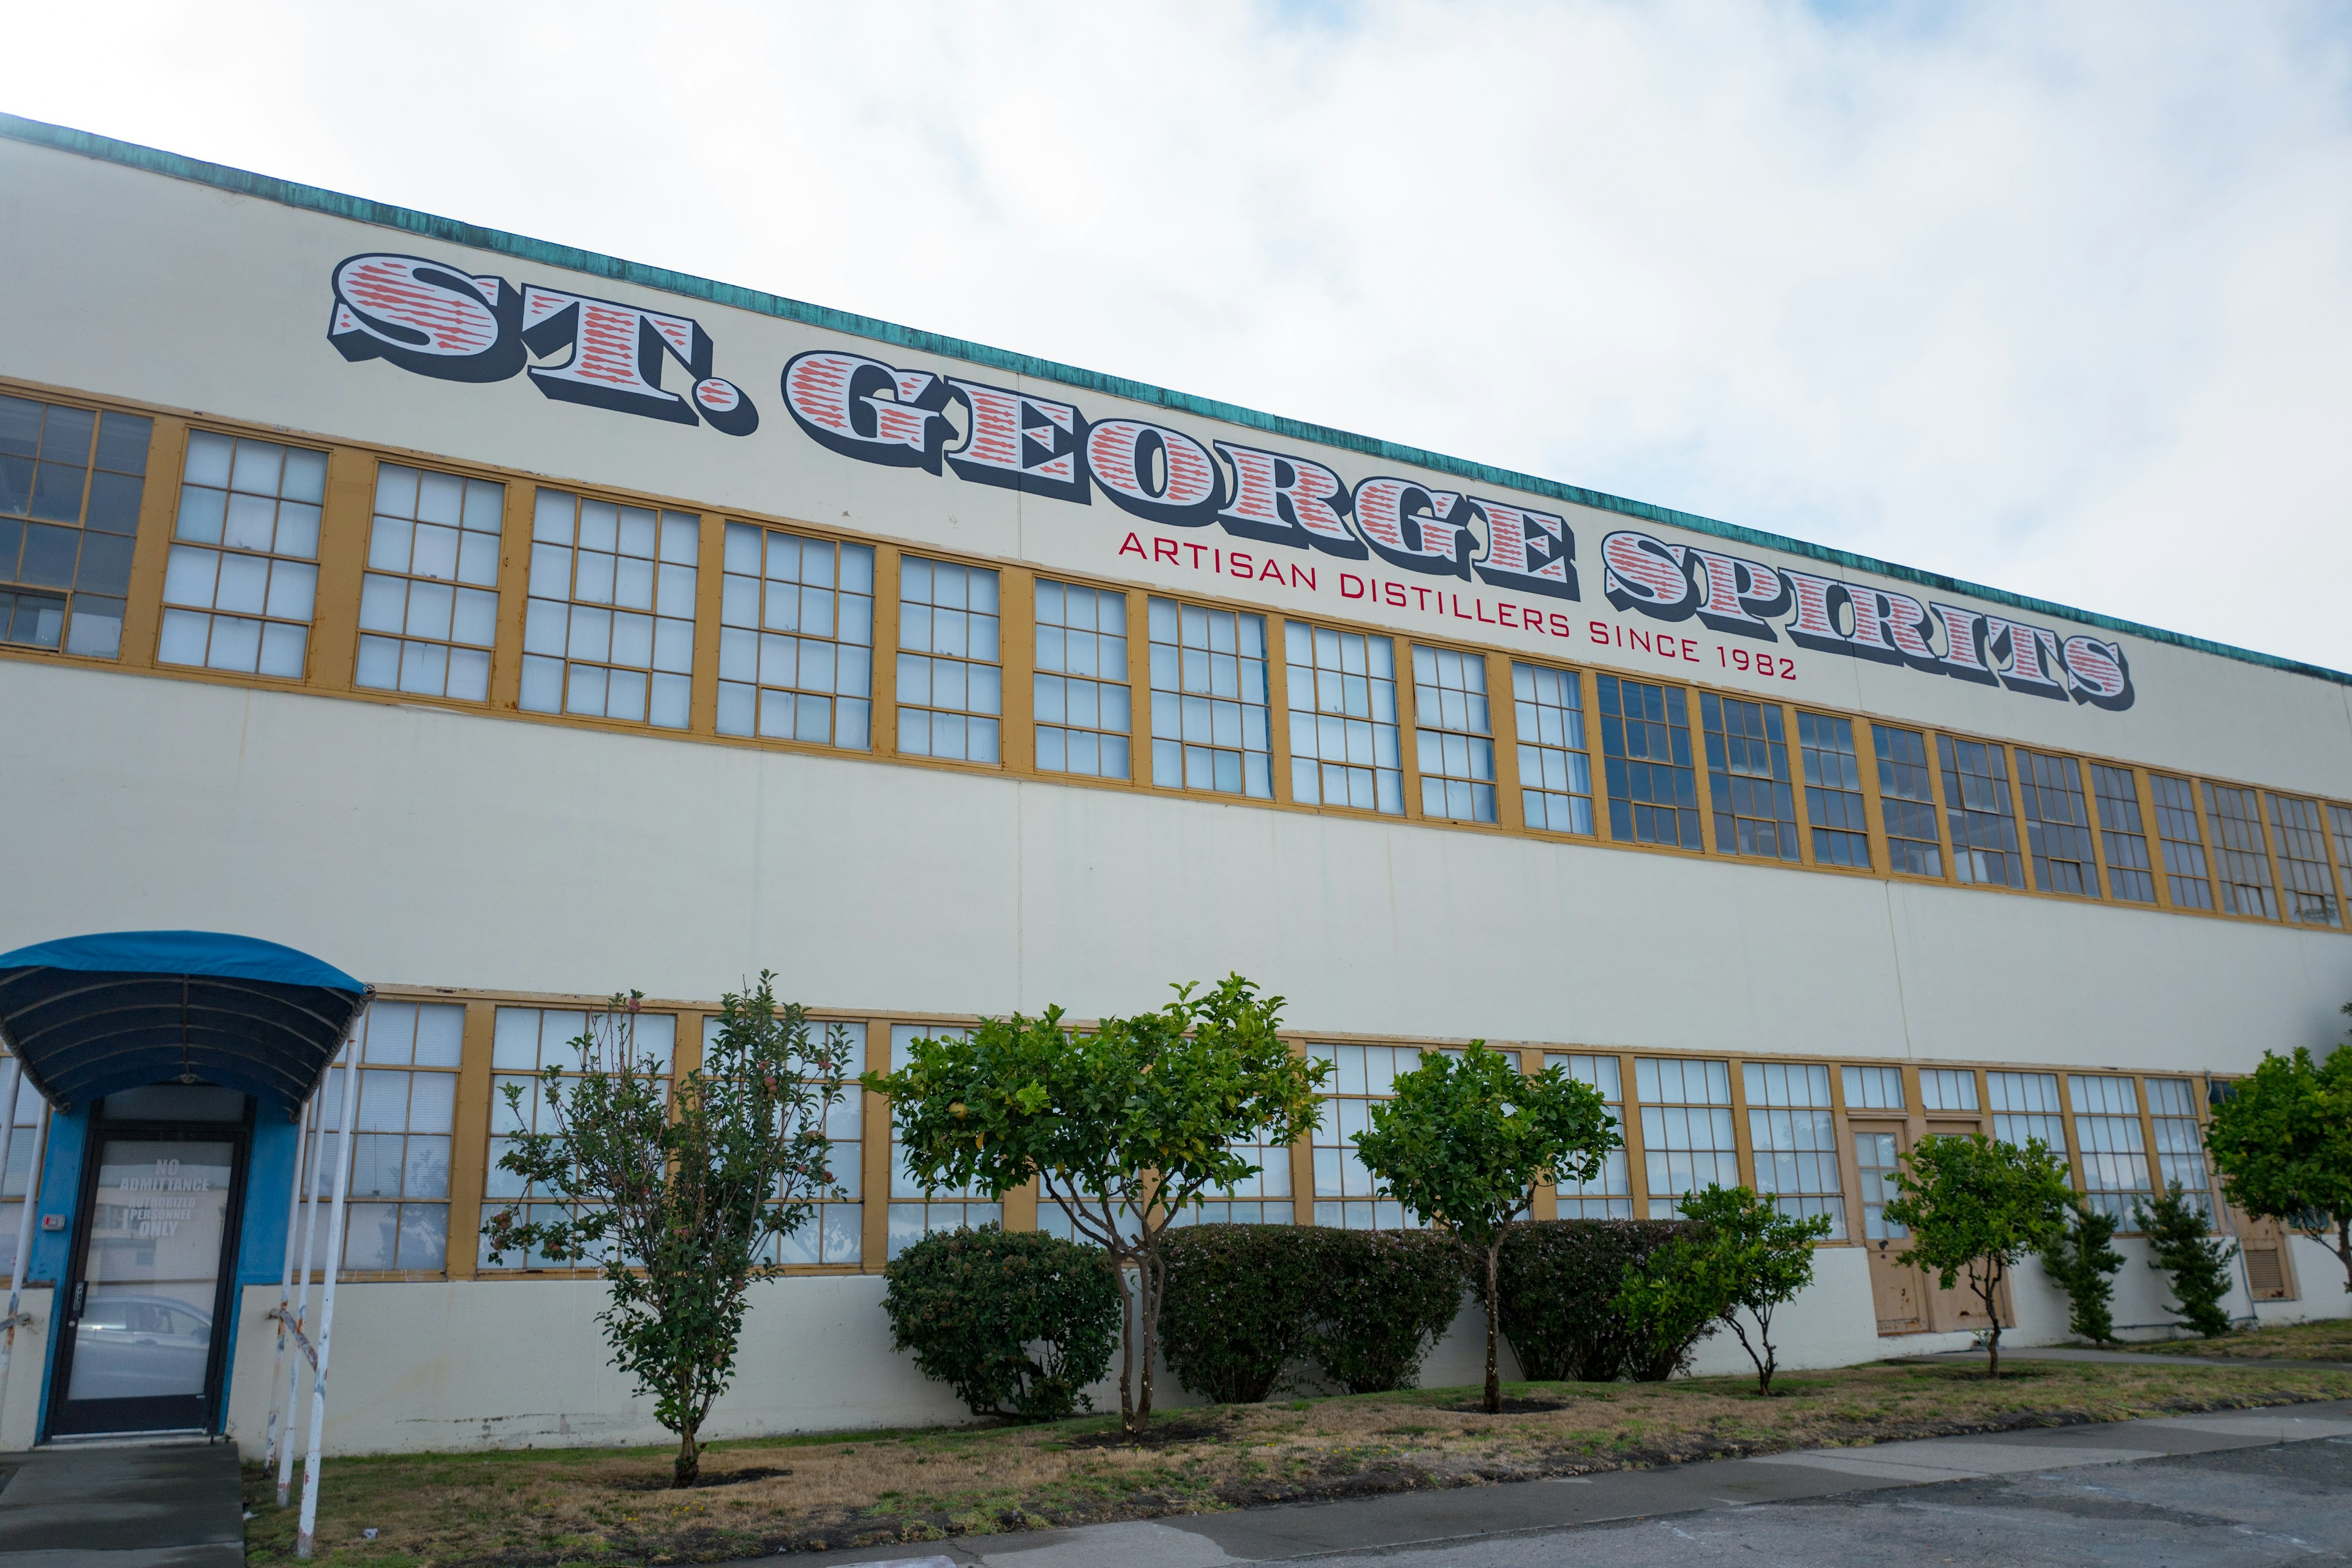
(358, 209)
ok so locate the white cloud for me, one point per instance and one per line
(2054, 298)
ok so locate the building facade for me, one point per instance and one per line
(508, 625)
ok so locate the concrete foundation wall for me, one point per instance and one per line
(507, 1364)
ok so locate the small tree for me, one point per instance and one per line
(673, 1194)
(2282, 1141)
(2182, 1240)
(1123, 1126)
(1464, 1142)
(1977, 1206)
(2081, 1263)
(1744, 1254)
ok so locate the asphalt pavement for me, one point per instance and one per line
(2238, 1488)
(118, 1505)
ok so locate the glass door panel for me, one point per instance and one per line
(141, 1348)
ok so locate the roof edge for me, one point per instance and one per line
(358, 209)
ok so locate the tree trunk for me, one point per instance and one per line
(1494, 1326)
(690, 1460)
(1986, 1293)
(1147, 1291)
(2344, 1246)
(1127, 1347)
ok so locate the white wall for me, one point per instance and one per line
(465, 1364)
(20, 1408)
(421, 847)
(504, 1363)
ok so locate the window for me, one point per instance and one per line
(2179, 1143)
(1646, 759)
(243, 573)
(429, 604)
(2114, 1155)
(2057, 827)
(1260, 1199)
(1947, 1089)
(1748, 778)
(2339, 823)
(2246, 888)
(1609, 1194)
(1209, 723)
(1346, 1195)
(1082, 692)
(834, 1231)
(2303, 861)
(1686, 1141)
(1976, 800)
(69, 517)
(1833, 804)
(1456, 749)
(1906, 802)
(610, 630)
(917, 1211)
(1875, 1160)
(1343, 720)
(796, 638)
(2183, 842)
(397, 1214)
(19, 1174)
(1555, 774)
(951, 672)
(2025, 1107)
(1794, 1134)
(527, 1039)
(2123, 835)
(1876, 1089)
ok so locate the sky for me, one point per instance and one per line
(2054, 298)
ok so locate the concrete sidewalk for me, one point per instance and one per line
(164, 1505)
(1527, 1507)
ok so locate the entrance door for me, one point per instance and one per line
(148, 1302)
(1895, 1290)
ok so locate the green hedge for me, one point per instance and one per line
(1244, 1301)
(1236, 1307)
(970, 1303)
(1559, 1281)
(1380, 1299)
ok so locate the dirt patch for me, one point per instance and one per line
(707, 1477)
(1165, 1432)
(1511, 1406)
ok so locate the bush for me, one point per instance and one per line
(2196, 1265)
(1558, 1282)
(1380, 1298)
(972, 1303)
(2080, 1263)
(1235, 1307)
(1743, 1255)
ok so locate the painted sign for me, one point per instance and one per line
(1406, 537)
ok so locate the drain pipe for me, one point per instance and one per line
(304, 1538)
(16, 1314)
(308, 1187)
(285, 1314)
(32, 1194)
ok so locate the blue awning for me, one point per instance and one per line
(91, 1015)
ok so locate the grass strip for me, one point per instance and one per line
(541, 1508)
